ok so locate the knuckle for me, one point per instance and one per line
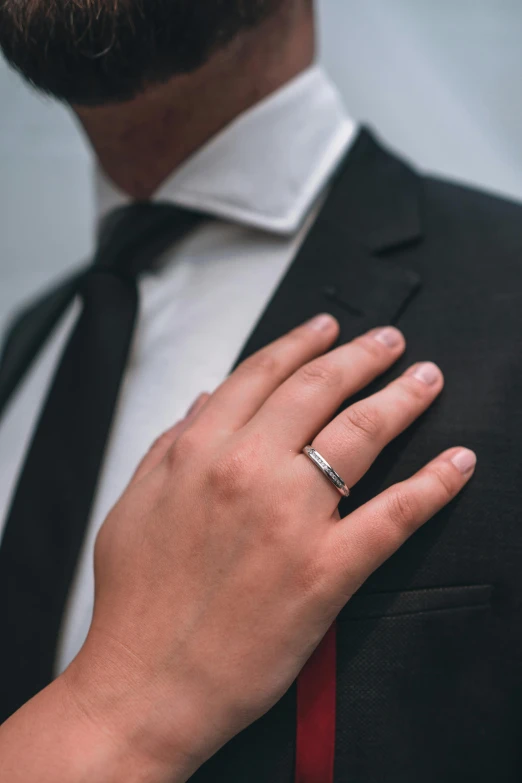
(403, 511)
(446, 479)
(321, 373)
(185, 445)
(371, 347)
(167, 437)
(414, 390)
(230, 474)
(264, 362)
(365, 420)
(298, 344)
(300, 336)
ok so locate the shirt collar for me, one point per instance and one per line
(268, 166)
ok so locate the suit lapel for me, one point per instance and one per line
(344, 266)
(27, 334)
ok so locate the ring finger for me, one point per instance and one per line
(355, 438)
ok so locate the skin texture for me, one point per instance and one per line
(140, 142)
(154, 93)
(225, 561)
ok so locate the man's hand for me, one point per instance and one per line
(226, 560)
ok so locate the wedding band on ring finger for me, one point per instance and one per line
(325, 467)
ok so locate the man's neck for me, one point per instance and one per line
(141, 142)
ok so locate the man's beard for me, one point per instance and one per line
(91, 52)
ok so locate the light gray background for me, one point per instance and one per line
(439, 79)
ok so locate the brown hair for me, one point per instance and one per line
(89, 52)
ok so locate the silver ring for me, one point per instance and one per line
(327, 469)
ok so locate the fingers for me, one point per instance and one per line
(162, 444)
(355, 438)
(361, 542)
(237, 399)
(299, 409)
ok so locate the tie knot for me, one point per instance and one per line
(132, 238)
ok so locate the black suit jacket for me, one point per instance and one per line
(430, 650)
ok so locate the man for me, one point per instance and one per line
(220, 111)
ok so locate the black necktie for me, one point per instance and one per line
(53, 499)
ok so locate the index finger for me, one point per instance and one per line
(241, 395)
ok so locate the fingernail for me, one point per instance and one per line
(195, 404)
(427, 373)
(464, 460)
(322, 322)
(388, 336)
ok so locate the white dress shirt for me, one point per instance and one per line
(261, 177)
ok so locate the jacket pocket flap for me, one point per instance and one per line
(405, 602)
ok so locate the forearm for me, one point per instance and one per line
(49, 740)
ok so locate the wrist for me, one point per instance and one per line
(116, 709)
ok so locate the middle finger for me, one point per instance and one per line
(356, 437)
(304, 403)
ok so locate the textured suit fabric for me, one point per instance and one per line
(429, 653)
